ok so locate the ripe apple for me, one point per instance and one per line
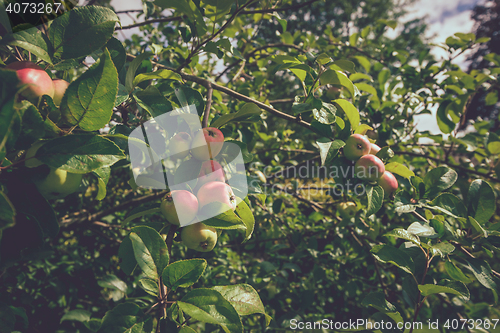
(179, 145)
(207, 143)
(216, 192)
(369, 167)
(374, 149)
(356, 146)
(60, 87)
(389, 183)
(179, 206)
(210, 171)
(58, 183)
(38, 81)
(199, 237)
(347, 209)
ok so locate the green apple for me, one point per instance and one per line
(356, 146)
(199, 237)
(31, 161)
(58, 184)
(179, 145)
(369, 167)
(347, 209)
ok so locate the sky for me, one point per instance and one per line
(444, 17)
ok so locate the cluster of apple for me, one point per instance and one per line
(58, 183)
(38, 82)
(190, 206)
(367, 167)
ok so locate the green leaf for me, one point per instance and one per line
(190, 96)
(482, 271)
(102, 175)
(334, 77)
(477, 227)
(455, 273)
(153, 101)
(375, 195)
(7, 213)
(442, 249)
(126, 255)
(209, 306)
(387, 253)
(446, 125)
(112, 282)
(326, 114)
(364, 62)
(329, 150)
(183, 273)
(8, 111)
(150, 251)
(80, 153)
(350, 111)
(150, 286)
(90, 99)
(32, 40)
(452, 287)
(399, 169)
(81, 31)
(421, 229)
(344, 65)
(220, 216)
(76, 315)
(438, 180)
(246, 111)
(377, 300)
(163, 74)
(244, 298)
(132, 68)
(491, 98)
(403, 234)
(481, 202)
(362, 129)
(188, 8)
(245, 214)
(450, 203)
(125, 318)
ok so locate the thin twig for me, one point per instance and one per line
(206, 115)
(140, 24)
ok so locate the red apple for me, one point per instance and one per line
(216, 192)
(374, 149)
(60, 87)
(38, 81)
(207, 143)
(179, 145)
(356, 146)
(210, 171)
(369, 167)
(389, 183)
(179, 207)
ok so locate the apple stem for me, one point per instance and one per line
(208, 106)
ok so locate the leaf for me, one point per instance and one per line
(329, 150)
(8, 90)
(326, 114)
(7, 213)
(183, 273)
(399, 169)
(442, 249)
(150, 286)
(403, 234)
(102, 175)
(387, 253)
(164, 74)
(377, 300)
(32, 40)
(126, 255)
(345, 65)
(80, 153)
(132, 68)
(153, 101)
(150, 251)
(450, 203)
(246, 215)
(209, 306)
(334, 77)
(481, 202)
(477, 227)
(220, 216)
(244, 298)
(350, 111)
(125, 318)
(482, 271)
(491, 98)
(246, 111)
(90, 99)
(438, 180)
(422, 230)
(446, 125)
(455, 273)
(81, 31)
(185, 95)
(452, 287)
(188, 8)
(76, 315)
(375, 195)
(112, 282)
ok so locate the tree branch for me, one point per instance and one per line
(272, 10)
(206, 115)
(165, 19)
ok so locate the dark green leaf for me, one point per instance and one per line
(387, 253)
(150, 251)
(76, 315)
(378, 301)
(481, 201)
(245, 214)
(438, 180)
(454, 287)
(183, 273)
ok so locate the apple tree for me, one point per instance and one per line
(348, 209)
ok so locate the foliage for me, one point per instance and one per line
(104, 259)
